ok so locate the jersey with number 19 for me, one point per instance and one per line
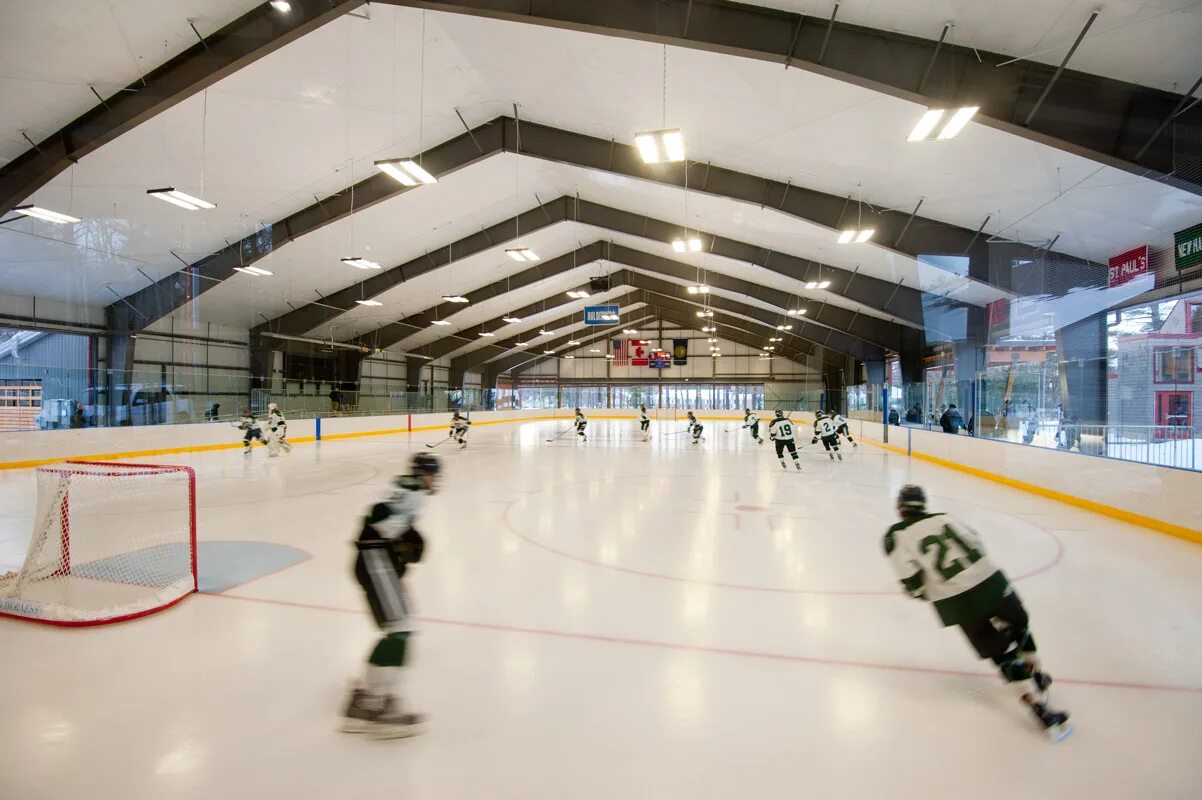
(941, 559)
(780, 430)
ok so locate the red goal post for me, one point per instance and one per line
(110, 542)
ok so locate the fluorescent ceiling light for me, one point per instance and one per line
(454, 298)
(573, 343)
(711, 341)
(823, 285)
(629, 331)
(511, 320)
(485, 333)
(701, 289)
(609, 356)
(784, 327)
(520, 344)
(45, 214)
(859, 236)
(776, 339)
(705, 313)
(548, 352)
(594, 351)
(256, 272)
(692, 244)
(369, 302)
(942, 123)
(578, 295)
(282, 6)
(406, 170)
(770, 347)
(610, 317)
(569, 356)
(360, 263)
(440, 322)
(796, 312)
(812, 285)
(522, 254)
(644, 341)
(659, 146)
(926, 125)
(709, 330)
(181, 199)
(542, 332)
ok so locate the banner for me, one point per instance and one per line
(601, 315)
(1187, 247)
(1128, 266)
(680, 352)
(638, 354)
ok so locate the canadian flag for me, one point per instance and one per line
(638, 354)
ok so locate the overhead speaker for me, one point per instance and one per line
(599, 284)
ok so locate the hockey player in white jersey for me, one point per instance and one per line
(695, 428)
(941, 560)
(581, 424)
(459, 426)
(253, 430)
(644, 423)
(824, 429)
(780, 431)
(841, 426)
(387, 546)
(279, 431)
(752, 422)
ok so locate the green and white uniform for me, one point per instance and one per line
(824, 429)
(387, 545)
(695, 428)
(780, 431)
(644, 422)
(753, 422)
(581, 424)
(940, 559)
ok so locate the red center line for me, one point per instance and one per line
(726, 651)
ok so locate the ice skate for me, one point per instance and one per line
(246, 450)
(798, 465)
(840, 456)
(784, 466)
(392, 723)
(359, 716)
(1056, 723)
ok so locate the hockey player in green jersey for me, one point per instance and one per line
(695, 428)
(941, 560)
(780, 431)
(644, 423)
(387, 546)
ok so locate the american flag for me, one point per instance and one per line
(621, 352)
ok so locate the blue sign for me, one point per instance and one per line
(601, 315)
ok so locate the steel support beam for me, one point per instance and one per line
(255, 34)
(1086, 115)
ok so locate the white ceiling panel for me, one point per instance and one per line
(313, 115)
(1149, 42)
(51, 51)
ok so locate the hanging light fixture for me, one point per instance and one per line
(405, 170)
(692, 245)
(440, 322)
(578, 295)
(784, 327)
(454, 298)
(360, 263)
(181, 199)
(282, 6)
(486, 333)
(702, 289)
(661, 146)
(947, 123)
(852, 235)
(705, 313)
(369, 302)
(796, 312)
(522, 254)
(255, 271)
(511, 320)
(46, 214)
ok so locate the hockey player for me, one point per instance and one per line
(841, 428)
(780, 431)
(824, 429)
(695, 428)
(581, 424)
(941, 560)
(459, 426)
(387, 545)
(644, 423)
(753, 422)
(253, 430)
(279, 430)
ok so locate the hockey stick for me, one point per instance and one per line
(674, 433)
(444, 441)
(559, 435)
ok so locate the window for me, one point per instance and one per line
(1173, 365)
(1174, 408)
(1193, 318)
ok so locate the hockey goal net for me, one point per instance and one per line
(110, 542)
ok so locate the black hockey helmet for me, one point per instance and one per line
(779, 413)
(425, 464)
(911, 498)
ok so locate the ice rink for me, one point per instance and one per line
(615, 619)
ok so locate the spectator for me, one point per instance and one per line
(335, 400)
(914, 415)
(1071, 431)
(76, 420)
(1032, 424)
(894, 417)
(951, 421)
